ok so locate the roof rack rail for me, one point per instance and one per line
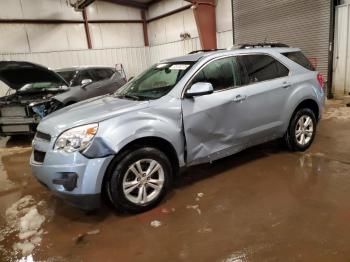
(264, 44)
(204, 50)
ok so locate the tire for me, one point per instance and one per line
(300, 137)
(127, 186)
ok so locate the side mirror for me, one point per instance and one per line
(199, 89)
(85, 82)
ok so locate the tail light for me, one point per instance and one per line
(320, 79)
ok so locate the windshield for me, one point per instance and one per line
(154, 82)
(67, 75)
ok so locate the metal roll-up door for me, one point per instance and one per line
(299, 23)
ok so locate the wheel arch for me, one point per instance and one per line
(152, 141)
(307, 103)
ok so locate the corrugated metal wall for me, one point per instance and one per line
(114, 35)
(178, 48)
(28, 37)
(299, 23)
(65, 45)
(134, 60)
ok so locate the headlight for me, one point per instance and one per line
(76, 139)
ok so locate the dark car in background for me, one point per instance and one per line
(35, 91)
(77, 75)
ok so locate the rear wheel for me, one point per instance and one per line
(301, 131)
(140, 180)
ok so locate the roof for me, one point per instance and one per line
(80, 68)
(197, 56)
(188, 58)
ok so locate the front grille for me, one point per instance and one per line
(43, 136)
(39, 156)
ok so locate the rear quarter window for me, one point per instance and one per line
(300, 58)
(261, 67)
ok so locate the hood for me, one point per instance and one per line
(16, 74)
(89, 111)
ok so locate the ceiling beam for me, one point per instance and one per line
(130, 3)
(153, 2)
(175, 11)
(87, 29)
(145, 29)
(55, 21)
(39, 21)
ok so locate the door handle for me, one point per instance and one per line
(286, 84)
(239, 98)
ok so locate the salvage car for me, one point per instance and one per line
(36, 91)
(180, 112)
(78, 75)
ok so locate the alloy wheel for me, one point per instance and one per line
(304, 130)
(143, 181)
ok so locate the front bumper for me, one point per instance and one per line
(85, 202)
(72, 176)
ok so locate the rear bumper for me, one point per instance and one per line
(322, 105)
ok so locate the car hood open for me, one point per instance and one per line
(16, 74)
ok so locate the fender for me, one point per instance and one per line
(164, 123)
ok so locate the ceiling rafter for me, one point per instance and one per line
(130, 3)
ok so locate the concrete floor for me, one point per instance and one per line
(264, 204)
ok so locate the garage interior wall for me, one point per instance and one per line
(341, 64)
(65, 44)
(114, 35)
(299, 23)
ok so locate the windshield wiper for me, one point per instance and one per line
(128, 96)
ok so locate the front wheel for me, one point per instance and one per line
(301, 131)
(140, 180)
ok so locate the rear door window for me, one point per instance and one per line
(110, 71)
(299, 58)
(262, 67)
(101, 73)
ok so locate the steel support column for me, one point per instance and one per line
(87, 30)
(204, 13)
(144, 26)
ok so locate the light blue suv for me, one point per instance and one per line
(180, 112)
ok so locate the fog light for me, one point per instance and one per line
(68, 181)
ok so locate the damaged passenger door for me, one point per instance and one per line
(211, 120)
